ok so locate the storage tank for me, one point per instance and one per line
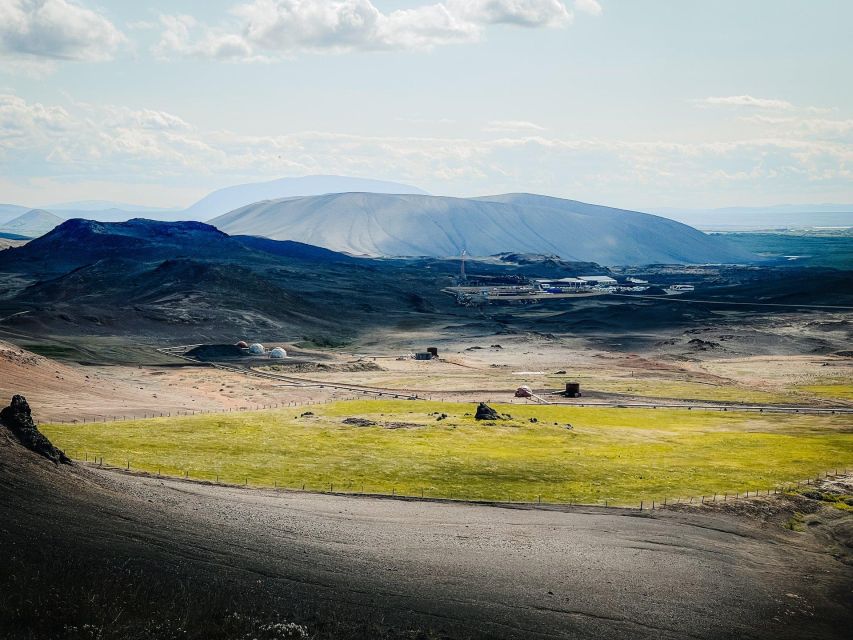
(278, 353)
(257, 349)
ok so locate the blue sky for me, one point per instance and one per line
(632, 103)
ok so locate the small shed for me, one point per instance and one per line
(257, 349)
(426, 355)
(433, 351)
(278, 353)
(573, 389)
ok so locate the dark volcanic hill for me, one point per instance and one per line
(76, 243)
(419, 225)
(296, 250)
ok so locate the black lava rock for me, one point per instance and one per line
(485, 412)
(18, 418)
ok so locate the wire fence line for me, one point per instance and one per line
(447, 399)
(350, 488)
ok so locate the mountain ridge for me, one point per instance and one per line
(438, 226)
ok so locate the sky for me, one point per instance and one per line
(640, 104)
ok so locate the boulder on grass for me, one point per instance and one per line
(485, 412)
(18, 418)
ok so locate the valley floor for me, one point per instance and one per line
(119, 556)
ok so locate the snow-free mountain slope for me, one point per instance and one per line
(410, 225)
(32, 224)
(230, 198)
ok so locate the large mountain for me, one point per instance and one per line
(418, 225)
(31, 224)
(10, 212)
(230, 198)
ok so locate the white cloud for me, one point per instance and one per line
(527, 13)
(588, 6)
(745, 101)
(56, 30)
(264, 28)
(512, 126)
(84, 143)
(182, 35)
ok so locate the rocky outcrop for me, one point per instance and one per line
(18, 418)
(485, 412)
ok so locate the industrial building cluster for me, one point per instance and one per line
(541, 289)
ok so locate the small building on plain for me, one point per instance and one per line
(425, 355)
(278, 353)
(257, 349)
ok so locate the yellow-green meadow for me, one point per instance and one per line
(616, 455)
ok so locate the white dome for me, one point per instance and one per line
(278, 352)
(257, 349)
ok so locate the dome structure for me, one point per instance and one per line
(278, 352)
(242, 345)
(257, 349)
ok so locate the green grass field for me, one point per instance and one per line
(619, 455)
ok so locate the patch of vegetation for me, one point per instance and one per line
(685, 390)
(837, 499)
(56, 351)
(836, 391)
(322, 342)
(617, 455)
(796, 522)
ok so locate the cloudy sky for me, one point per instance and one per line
(633, 103)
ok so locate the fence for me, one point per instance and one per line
(430, 493)
(403, 395)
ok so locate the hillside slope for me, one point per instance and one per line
(409, 225)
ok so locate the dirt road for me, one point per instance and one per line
(459, 570)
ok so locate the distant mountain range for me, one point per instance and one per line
(418, 225)
(212, 205)
(785, 216)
